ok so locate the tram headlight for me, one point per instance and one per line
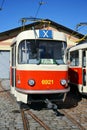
(63, 82)
(31, 82)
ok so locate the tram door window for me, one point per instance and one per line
(84, 66)
(74, 58)
(13, 56)
(84, 58)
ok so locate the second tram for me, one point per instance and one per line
(38, 70)
(78, 67)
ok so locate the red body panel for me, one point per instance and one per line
(44, 80)
(75, 75)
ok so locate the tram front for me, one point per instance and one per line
(41, 72)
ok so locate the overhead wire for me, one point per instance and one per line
(77, 28)
(75, 32)
(3, 1)
(82, 39)
(81, 25)
(40, 3)
(31, 19)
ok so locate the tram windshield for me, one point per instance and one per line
(41, 52)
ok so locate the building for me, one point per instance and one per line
(7, 37)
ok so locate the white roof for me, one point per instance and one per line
(79, 47)
(35, 34)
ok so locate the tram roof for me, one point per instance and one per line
(14, 32)
(79, 47)
(40, 35)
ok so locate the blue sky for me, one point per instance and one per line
(65, 12)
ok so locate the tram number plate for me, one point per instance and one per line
(47, 82)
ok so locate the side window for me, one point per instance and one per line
(13, 55)
(74, 58)
(84, 58)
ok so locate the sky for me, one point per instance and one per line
(68, 13)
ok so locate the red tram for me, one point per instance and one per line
(77, 55)
(38, 70)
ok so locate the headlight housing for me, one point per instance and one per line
(63, 82)
(31, 82)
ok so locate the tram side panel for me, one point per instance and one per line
(75, 75)
(77, 68)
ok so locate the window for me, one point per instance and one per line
(13, 55)
(84, 58)
(27, 52)
(74, 58)
(31, 51)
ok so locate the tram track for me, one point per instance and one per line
(73, 120)
(74, 109)
(36, 118)
(4, 91)
(12, 99)
(22, 111)
(25, 120)
(46, 127)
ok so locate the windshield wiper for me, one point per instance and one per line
(38, 62)
(56, 62)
